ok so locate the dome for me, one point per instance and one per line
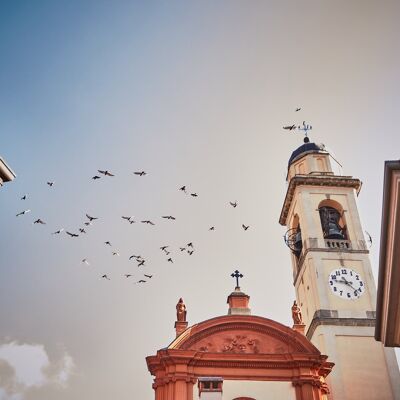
(306, 148)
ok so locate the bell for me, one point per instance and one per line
(334, 232)
(298, 243)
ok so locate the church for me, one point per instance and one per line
(330, 352)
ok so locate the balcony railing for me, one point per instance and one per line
(338, 244)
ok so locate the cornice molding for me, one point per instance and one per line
(315, 180)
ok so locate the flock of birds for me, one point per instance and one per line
(188, 248)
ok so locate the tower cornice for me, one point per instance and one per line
(315, 180)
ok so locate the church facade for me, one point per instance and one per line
(238, 357)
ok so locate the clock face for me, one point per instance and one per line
(346, 283)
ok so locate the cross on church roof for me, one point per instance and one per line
(236, 275)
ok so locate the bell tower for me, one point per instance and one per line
(332, 276)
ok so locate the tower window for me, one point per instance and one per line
(332, 223)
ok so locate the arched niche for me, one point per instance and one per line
(333, 222)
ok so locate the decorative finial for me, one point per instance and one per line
(181, 311)
(296, 314)
(237, 275)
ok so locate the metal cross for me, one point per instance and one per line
(236, 275)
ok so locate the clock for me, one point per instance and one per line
(346, 283)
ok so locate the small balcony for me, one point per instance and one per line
(338, 244)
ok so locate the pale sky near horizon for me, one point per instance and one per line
(196, 94)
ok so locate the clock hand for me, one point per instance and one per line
(348, 283)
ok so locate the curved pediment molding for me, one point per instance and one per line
(243, 334)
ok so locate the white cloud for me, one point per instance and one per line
(25, 366)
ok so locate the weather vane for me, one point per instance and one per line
(305, 128)
(237, 275)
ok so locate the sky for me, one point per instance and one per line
(194, 93)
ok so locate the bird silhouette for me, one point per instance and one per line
(141, 263)
(23, 197)
(81, 230)
(128, 275)
(245, 227)
(369, 239)
(126, 218)
(212, 228)
(140, 173)
(190, 252)
(141, 281)
(58, 232)
(115, 253)
(190, 245)
(23, 212)
(163, 248)
(170, 260)
(194, 194)
(147, 222)
(290, 127)
(233, 204)
(168, 217)
(297, 109)
(182, 248)
(39, 221)
(106, 277)
(105, 173)
(148, 276)
(91, 218)
(183, 189)
(95, 177)
(50, 183)
(109, 243)
(71, 234)
(85, 261)
(133, 256)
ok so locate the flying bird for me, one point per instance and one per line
(369, 238)
(183, 189)
(126, 218)
(133, 256)
(194, 194)
(23, 197)
(190, 245)
(95, 177)
(58, 232)
(85, 261)
(115, 253)
(81, 230)
(140, 263)
(245, 227)
(148, 276)
(105, 173)
(23, 212)
(140, 173)
(168, 217)
(212, 228)
(91, 218)
(106, 277)
(88, 223)
(71, 234)
(233, 204)
(147, 222)
(297, 109)
(182, 248)
(128, 275)
(141, 281)
(163, 248)
(50, 183)
(39, 221)
(190, 252)
(290, 127)
(109, 243)
(170, 260)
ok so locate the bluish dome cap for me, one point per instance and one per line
(305, 148)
